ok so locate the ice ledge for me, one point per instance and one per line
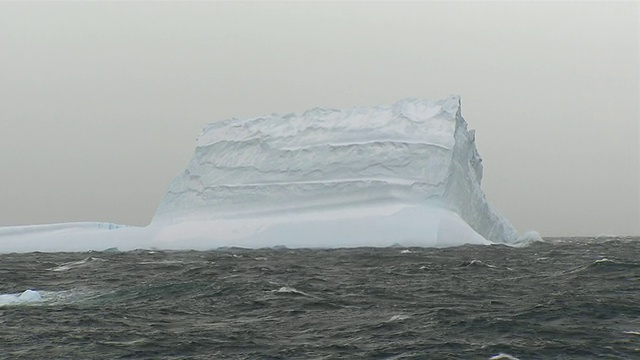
(60, 227)
(380, 225)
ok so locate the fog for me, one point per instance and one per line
(100, 103)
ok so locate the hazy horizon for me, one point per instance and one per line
(102, 102)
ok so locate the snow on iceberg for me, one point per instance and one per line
(407, 174)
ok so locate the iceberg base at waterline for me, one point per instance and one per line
(377, 226)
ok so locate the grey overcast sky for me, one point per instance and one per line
(100, 103)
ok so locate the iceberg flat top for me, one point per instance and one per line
(408, 120)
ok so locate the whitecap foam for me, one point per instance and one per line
(528, 238)
(398, 318)
(503, 356)
(290, 290)
(75, 264)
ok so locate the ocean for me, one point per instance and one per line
(566, 298)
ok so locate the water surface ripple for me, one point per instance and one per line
(569, 298)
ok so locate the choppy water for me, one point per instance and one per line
(565, 299)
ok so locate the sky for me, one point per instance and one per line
(101, 103)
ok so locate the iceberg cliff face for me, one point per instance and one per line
(404, 174)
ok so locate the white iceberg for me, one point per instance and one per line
(26, 296)
(407, 174)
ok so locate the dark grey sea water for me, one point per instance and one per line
(569, 298)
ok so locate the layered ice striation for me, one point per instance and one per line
(406, 174)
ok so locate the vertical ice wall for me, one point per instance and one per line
(292, 172)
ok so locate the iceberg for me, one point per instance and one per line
(405, 174)
(25, 297)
